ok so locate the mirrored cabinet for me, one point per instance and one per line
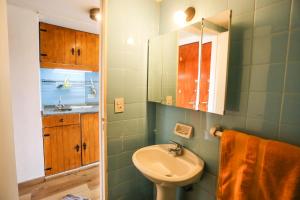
(187, 68)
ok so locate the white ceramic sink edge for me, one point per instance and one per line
(165, 169)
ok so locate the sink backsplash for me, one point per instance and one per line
(74, 86)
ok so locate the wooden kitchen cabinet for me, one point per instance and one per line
(72, 146)
(90, 138)
(87, 50)
(62, 143)
(81, 52)
(68, 49)
(52, 40)
(53, 150)
(62, 148)
(92, 47)
(61, 120)
(70, 141)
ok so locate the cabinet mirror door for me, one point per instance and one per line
(187, 68)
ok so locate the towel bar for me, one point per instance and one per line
(216, 131)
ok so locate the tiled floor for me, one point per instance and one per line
(84, 183)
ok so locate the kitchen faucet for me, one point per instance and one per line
(60, 106)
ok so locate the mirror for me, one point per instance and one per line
(187, 68)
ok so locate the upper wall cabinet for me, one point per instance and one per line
(68, 49)
(188, 68)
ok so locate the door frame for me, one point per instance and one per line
(9, 184)
(102, 100)
(8, 181)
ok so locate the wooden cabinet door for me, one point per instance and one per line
(70, 39)
(205, 75)
(80, 48)
(187, 75)
(90, 138)
(92, 49)
(53, 150)
(52, 43)
(72, 146)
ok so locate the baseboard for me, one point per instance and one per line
(36, 181)
(72, 171)
(31, 182)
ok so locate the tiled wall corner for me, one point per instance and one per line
(127, 77)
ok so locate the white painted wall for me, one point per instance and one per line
(8, 180)
(67, 13)
(24, 65)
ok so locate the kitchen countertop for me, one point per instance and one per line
(51, 109)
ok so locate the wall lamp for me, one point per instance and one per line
(181, 17)
(95, 14)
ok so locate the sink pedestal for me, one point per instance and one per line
(165, 193)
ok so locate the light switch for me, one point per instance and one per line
(119, 105)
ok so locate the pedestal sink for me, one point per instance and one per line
(166, 170)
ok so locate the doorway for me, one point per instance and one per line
(56, 125)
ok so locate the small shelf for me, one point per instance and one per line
(57, 83)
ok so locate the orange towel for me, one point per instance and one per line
(252, 168)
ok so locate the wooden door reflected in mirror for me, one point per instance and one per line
(187, 75)
(205, 75)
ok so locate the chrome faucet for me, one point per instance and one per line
(93, 88)
(59, 106)
(178, 150)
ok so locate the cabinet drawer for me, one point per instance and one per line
(61, 120)
(71, 119)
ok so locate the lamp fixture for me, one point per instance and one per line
(95, 14)
(190, 13)
(181, 17)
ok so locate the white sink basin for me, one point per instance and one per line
(166, 170)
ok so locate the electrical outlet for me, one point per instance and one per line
(169, 100)
(119, 105)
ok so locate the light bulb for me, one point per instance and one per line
(180, 18)
(98, 17)
(130, 41)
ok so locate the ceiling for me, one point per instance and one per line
(68, 13)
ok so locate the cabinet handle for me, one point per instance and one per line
(84, 146)
(73, 51)
(61, 120)
(43, 54)
(77, 147)
(78, 52)
(46, 135)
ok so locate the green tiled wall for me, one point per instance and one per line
(127, 77)
(263, 86)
